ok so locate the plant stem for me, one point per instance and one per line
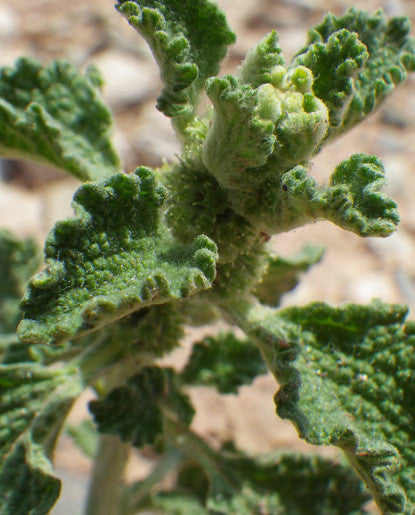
(136, 493)
(107, 482)
(107, 477)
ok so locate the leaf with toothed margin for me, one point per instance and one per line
(224, 362)
(353, 200)
(241, 135)
(133, 411)
(335, 64)
(346, 376)
(260, 132)
(34, 402)
(391, 56)
(55, 115)
(188, 39)
(113, 258)
(284, 483)
(283, 274)
(257, 67)
(278, 484)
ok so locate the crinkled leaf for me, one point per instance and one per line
(283, 274)
(113, 258)
(228, 481)
(289, 483)
(85, 437)
(19, 259)
(391, 56)
(34, 402)
(225, 362)
(347, 379)
(55, 115)
(188, 39)
(241, 136)
(257, 67)
(353, 200)
(260, 132)
(134, 412)
(26, 481)
(149, 332)
(335, 64)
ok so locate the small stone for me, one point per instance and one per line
(398, 249)
(153, 139)
(372, 285)
(20, 212)
(128, 80)
(397, 173)
(8, 22)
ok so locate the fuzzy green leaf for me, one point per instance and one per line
(224, 362)
(34, 402)
(228, 481)
(257, 67)
(286, 483)
(261, 132)
(149, 332)
(391, 56)
(188, 39)
(26, 481)
(19, 259)
(55, 115)
(294, 484)
(113, 258)
(335, 64)
(347, 380)
(283, 274)
(134, 412)
(353, 200)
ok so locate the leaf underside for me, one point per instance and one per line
(113, 258)
(55, 115)
(347, 380)
(34, 402)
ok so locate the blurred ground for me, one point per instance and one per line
(356, 270)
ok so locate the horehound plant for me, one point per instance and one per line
(151, 251)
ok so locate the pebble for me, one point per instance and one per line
(154, 139)
(398, 249)
(20, 212)
(363, 288)
(8, 22)
(128, 80)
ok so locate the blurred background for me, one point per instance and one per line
(33, 197)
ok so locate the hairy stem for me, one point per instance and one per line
(134, 496)
(107, 477)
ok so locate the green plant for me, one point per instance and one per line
(148, 252)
